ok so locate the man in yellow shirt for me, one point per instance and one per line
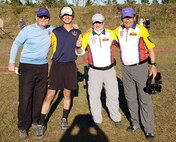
(135, 46)
(99, 44)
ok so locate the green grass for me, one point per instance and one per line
(81, 129)
(164, 105)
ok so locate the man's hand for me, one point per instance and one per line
(75, 26)
(79, 50)
(11, 67)
(153, 71)
(79, 43)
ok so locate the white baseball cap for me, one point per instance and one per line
(97, 18)
(66, 10)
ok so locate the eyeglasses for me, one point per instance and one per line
(43, 17)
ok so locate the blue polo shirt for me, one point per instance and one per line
(64, 44)
(36, 42)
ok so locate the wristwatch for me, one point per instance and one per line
(154, 64)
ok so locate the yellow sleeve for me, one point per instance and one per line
(115, 31)
(113, 37)
(53, 42)
(80, 37)
(85, 41)
(145, 34)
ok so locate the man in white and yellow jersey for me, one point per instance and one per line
(99, 44)
(135, 47)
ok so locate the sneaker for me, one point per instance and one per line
(149, 136)
(132, 128)
(34, 126)
(40, 131)
(23, 134)
(118, 124)
(64, 124)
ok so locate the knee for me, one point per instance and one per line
(49, 97)
(67, 94)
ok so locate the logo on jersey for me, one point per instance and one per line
(74, 33)
(121, 33)
(93, 40)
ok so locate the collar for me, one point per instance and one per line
(102, 32)
(62, 26)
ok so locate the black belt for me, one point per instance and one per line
(139, 63)
(101, 68)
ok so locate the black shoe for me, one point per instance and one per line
(149, 136)
(132, 128)
(118, 124)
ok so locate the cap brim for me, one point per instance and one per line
(66, 14)
(128, 15)
(42, 14)
(97, 22)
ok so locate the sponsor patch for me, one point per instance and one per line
(105, 39)
(133, 34)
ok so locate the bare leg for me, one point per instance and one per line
(67, 98)
(48, 99)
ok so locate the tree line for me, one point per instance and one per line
(60, 3)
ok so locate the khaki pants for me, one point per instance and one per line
(96, 80)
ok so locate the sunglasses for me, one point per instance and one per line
(43, 17)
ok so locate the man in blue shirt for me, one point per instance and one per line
(63, 72)
(33, 69)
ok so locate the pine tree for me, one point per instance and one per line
(88, 3)
(145, 1)
(155, 2)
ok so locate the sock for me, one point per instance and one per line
(65, 113)
(42, 119)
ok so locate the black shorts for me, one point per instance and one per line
(63, 75)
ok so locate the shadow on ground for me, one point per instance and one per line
(85, 122)
(122, 101)
(84, 129)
